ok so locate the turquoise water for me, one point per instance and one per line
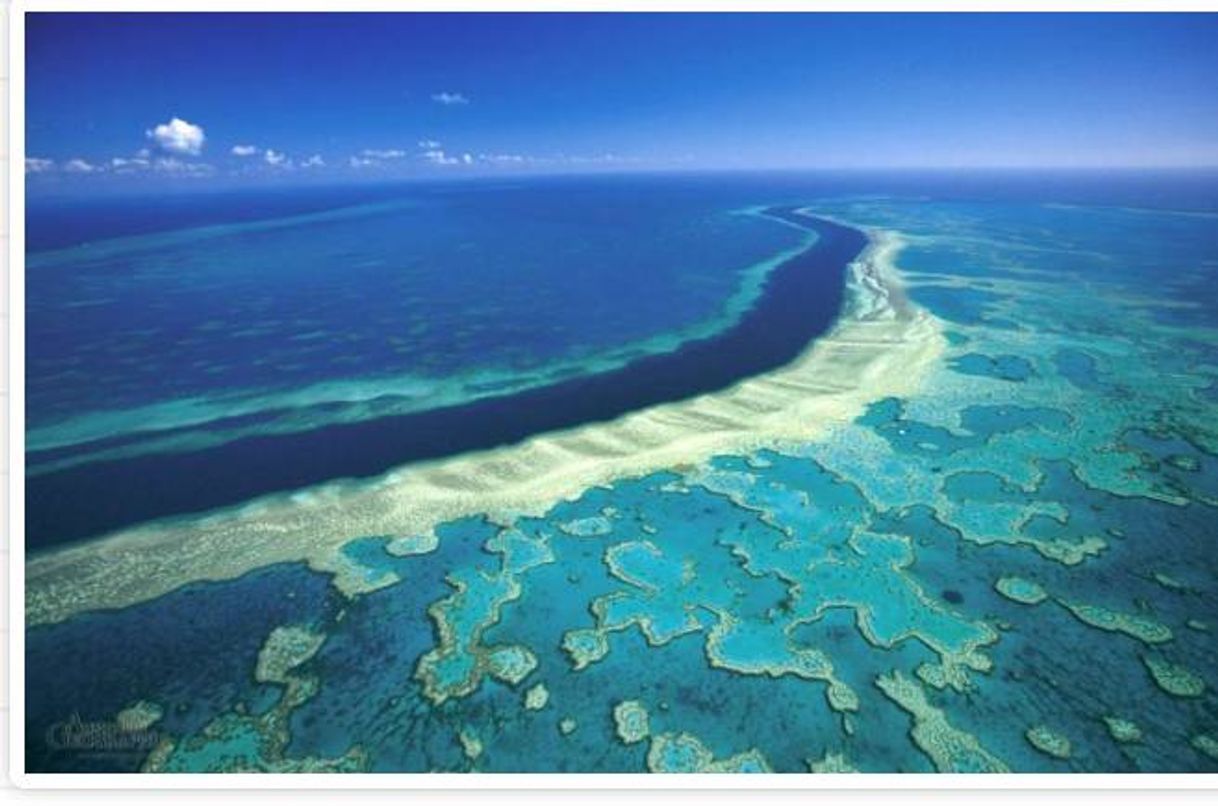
(1012, 568)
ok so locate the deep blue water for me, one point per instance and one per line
(93, 666)
(402, 296)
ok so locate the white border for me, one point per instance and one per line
(456, 781)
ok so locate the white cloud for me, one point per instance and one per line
(79, 166)
(177, 167)
(450, 98)
(430, 144)
(374, 156)
(505, 158)
(141, 161)
(383, 153)
(178, 137)
(594, 158)
(438, 157)
(128, 164)
(276, 158)
(314, 161)
(608, 158)
(244, 151)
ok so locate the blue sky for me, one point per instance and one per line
(153, 99)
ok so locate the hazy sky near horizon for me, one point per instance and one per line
(149, 99)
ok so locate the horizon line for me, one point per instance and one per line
(206, 185)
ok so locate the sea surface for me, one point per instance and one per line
(1012, 568)
(198, 335)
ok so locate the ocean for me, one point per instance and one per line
(801, 473)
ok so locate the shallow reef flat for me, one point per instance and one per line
(971, 530)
